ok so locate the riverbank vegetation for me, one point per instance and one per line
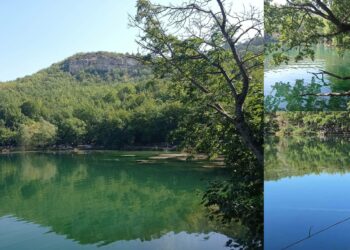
(308, 123)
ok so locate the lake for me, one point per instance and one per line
(106, 200)
(307, 181)
(284, 84)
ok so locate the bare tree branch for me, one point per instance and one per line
(323, 72)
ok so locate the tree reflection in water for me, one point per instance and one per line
(104, 197)
(300, 96)
(299, 156)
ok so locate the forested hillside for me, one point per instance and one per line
(103, 99)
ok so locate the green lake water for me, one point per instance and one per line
(284, 84)
(307, 182)
(106, 200)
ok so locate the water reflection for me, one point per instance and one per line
(99, 199)
(305, 181)
(295, 97)
(299, 156)
(284, 85)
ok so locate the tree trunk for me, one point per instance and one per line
(248, 137)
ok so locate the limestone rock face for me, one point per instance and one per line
(100, 62)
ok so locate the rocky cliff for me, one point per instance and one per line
(102, 63)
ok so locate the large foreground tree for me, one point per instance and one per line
(207, 46)
(214, 56)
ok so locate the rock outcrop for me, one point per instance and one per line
(101, 63)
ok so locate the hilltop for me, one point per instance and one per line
(99, 62)
(95, 66)
(106, 65)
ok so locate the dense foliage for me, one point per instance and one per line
(316, 123)
(54, 107)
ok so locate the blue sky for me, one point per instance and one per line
(35, 34)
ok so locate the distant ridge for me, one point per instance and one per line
(97, 66)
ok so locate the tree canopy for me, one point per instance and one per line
(208, 47)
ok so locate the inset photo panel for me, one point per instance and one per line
(307, 62)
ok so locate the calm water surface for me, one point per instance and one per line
(307, 182)
(106, 200)
(286, 82)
